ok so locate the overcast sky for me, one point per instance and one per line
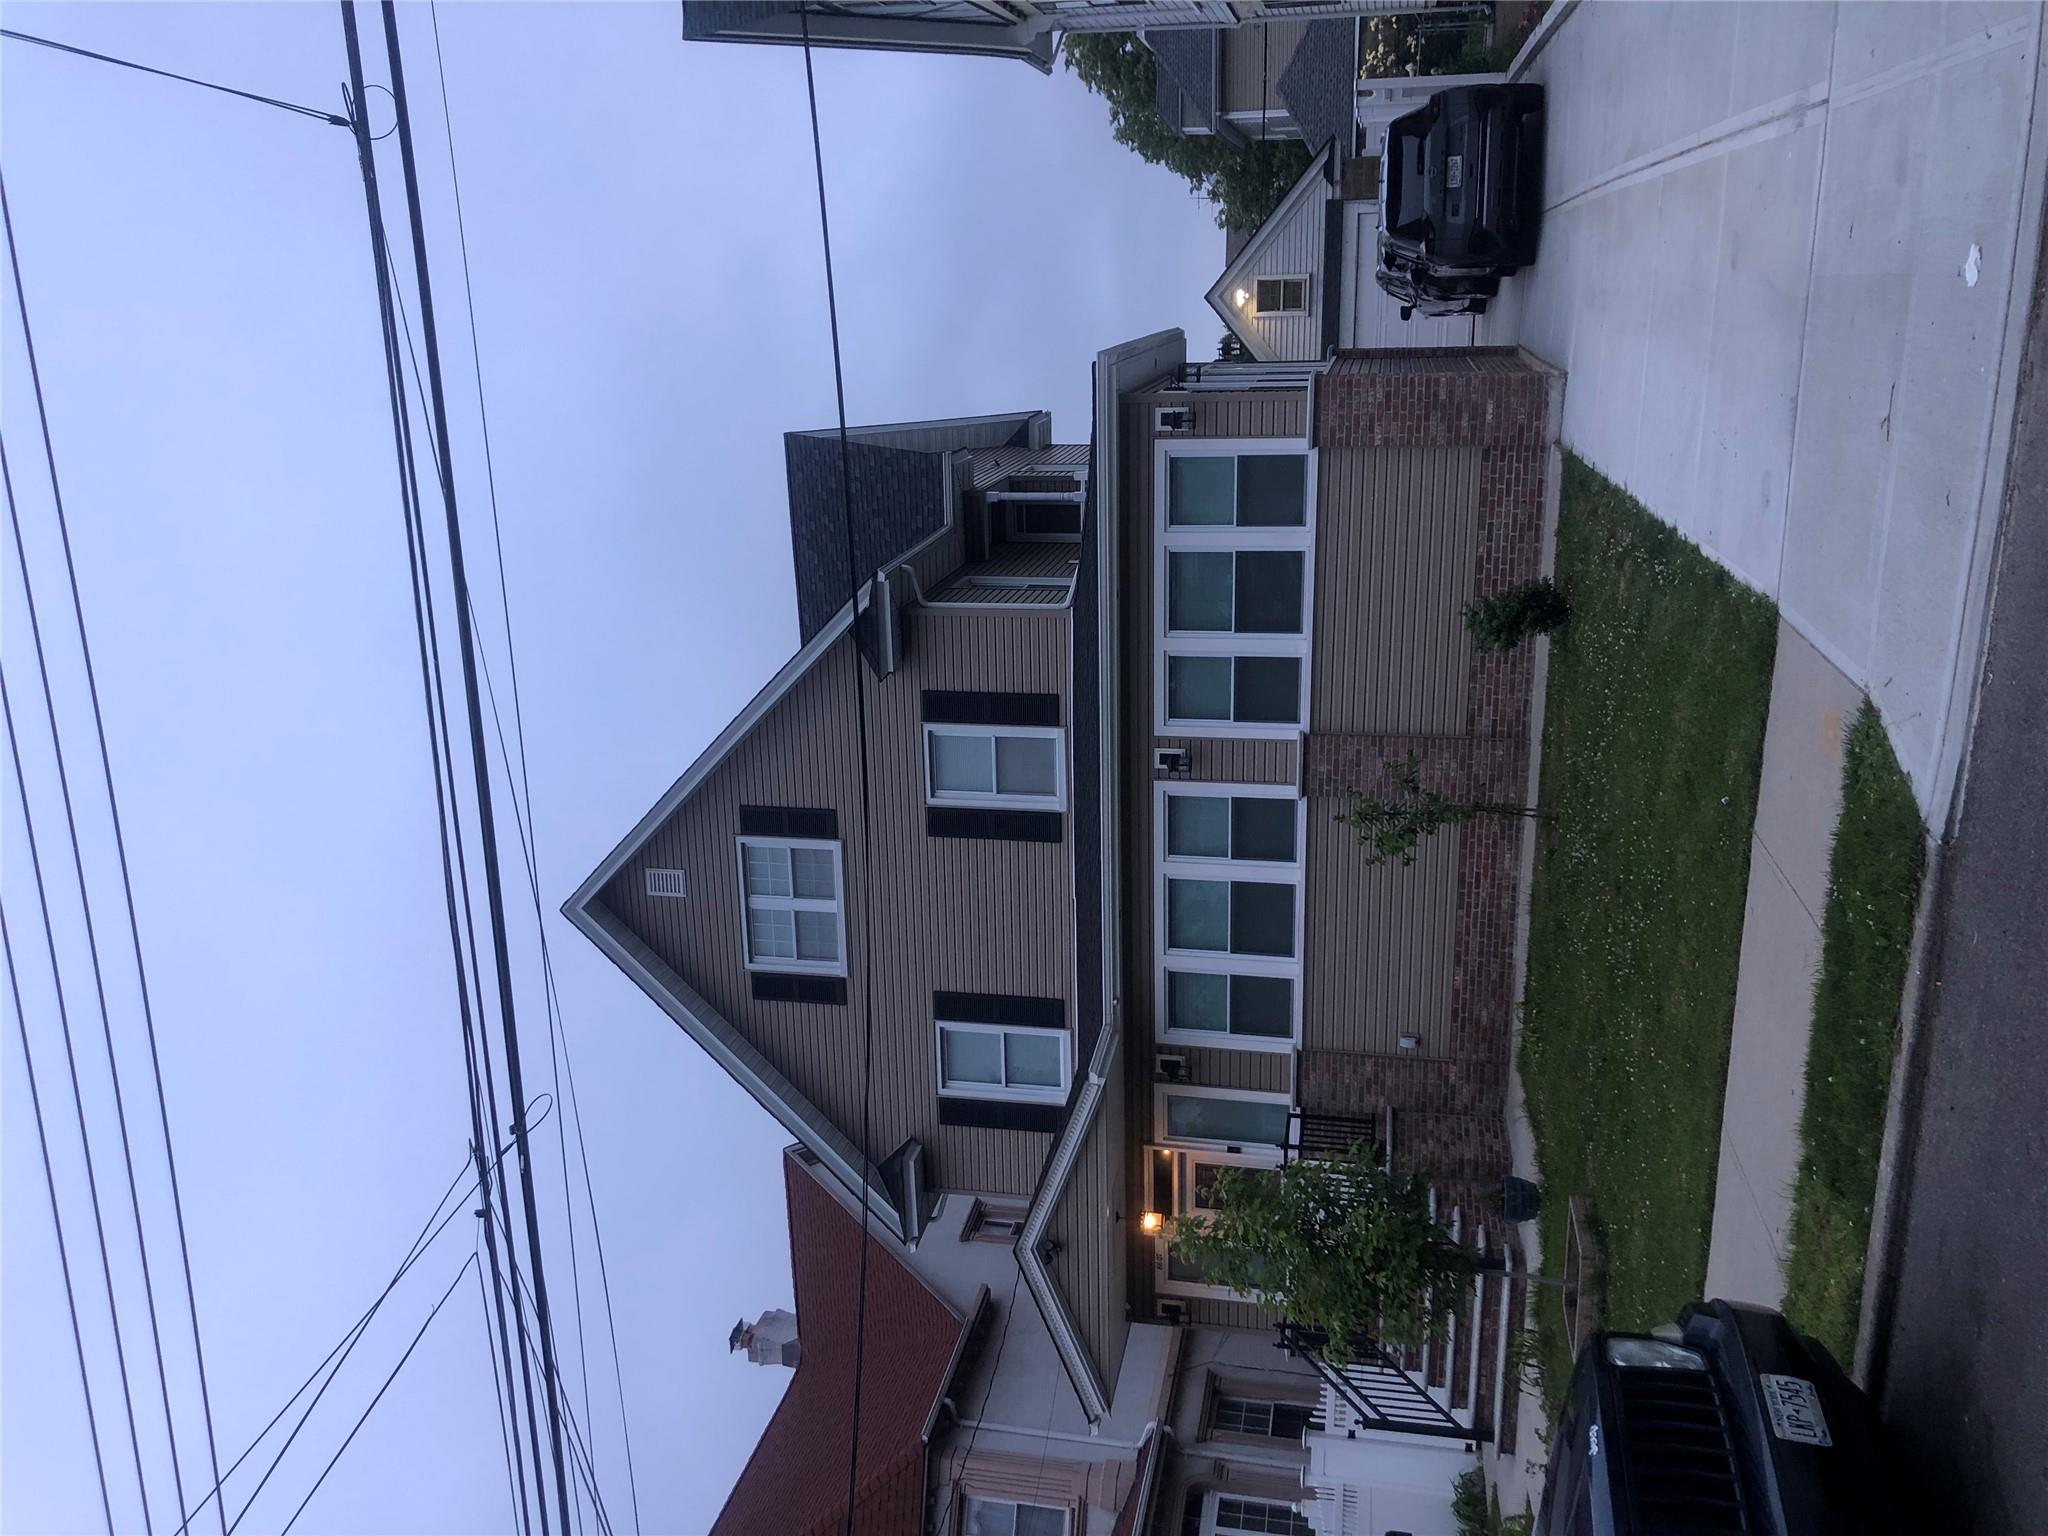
(650, 296)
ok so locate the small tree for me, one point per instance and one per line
(1343, 1247)
(1389, 829)
(1504, 620)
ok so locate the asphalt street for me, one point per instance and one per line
(1961, 1368)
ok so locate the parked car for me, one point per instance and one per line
(1730, 1421)
(1461, 196)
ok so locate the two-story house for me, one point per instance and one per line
(1020, 898)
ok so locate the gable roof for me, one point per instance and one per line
(1184, 62)
(1312, 188)
(796, 1480)
(1319, 83)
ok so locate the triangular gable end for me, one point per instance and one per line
(1290, 243)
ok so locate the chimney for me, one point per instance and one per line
(770, 1340)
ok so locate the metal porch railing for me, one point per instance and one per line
(1374, 1389)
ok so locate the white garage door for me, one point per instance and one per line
(1371, 317)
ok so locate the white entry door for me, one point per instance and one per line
(1371, 317)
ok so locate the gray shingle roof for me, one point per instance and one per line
(1319, 84)
(1188, 56)
(899, 500)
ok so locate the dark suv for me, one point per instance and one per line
(1729, 1422)
(1461, 193)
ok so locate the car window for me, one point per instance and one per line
(1407, 213)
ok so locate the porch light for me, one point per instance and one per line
(1150, 1223)
(1242, 298)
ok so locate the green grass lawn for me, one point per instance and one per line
(1874, 875)
(1652, 744)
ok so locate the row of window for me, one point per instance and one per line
(1218, 1514)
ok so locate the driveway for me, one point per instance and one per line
(1778, 269)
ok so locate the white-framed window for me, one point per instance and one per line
(1015, 1063)
(993, 1221)
(1228, 1119)
(1045, 522)
(1230, 1514)
(1234, 582)
(1280, 295)
(1009, 1517)
(792, 902)
(1021, 767)
(1229, 915)
(1259, 1418)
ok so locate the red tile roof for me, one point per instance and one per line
(795, 1482)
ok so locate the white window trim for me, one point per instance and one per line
(1215, 962)
(1167, 643)
(1210, 1527)
(1001, 1093)
(1162, 1091)
(1281, 277)
(837, 906)
(1056, 801)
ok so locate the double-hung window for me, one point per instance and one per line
(794, 914)
(1229, 967)
(1011, 1063)
(1281, 295)
(1235, 539)
(1259, 1417)
(1231, 1515)
(1020, 766)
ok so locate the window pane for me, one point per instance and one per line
(991, 1517)
(1197, 1000)
(1269, 592)
(1261, 918)
(1268, 689)
(1027, 765)
(1032, 1060)
(811, 872)
(1230, 1120)
(771, 934)
(1198, 687)
(1198, 914)
(1272, 490)
(817, 935)
(1198, 490)
(962, 765)
(1054, 517)
(1198, 826)
(1262, 828)
(1037, 1520)
(767, 871)
(971, 1056)
(1262, 1006)
(1198, 590)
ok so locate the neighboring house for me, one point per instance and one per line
(1016, 29)
(1302, 285)
(1088, 929)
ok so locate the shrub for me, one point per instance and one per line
(1504, 620)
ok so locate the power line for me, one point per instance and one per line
(151, 69)
(437, 748)
(504, 1430)
(349, 1439)
(85, 897)
(867, 859)
(35, 1100)
(493, 885)
(77, 1098)
(529, 841)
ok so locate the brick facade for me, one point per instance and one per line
(1449, 1109)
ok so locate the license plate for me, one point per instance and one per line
(1795, 1410)
(1455, 175)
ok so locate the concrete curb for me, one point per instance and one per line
(1902, 1101)
(1540, 38)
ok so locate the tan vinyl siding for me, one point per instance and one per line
(1091, 1267)
(1376, 943)
(945, 913)
(1264, 1071)
(1253, 60)
(1395, 530)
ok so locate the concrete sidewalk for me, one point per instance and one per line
(1787, 250)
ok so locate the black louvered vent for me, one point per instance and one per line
(1681, 1471)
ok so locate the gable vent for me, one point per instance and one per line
(1172, 420)
(667, 882)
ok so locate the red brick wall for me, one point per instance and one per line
(1449, 1109)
